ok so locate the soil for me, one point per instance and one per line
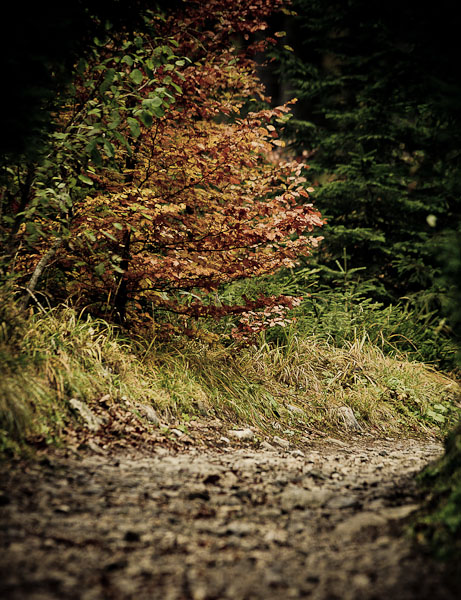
(230, 520)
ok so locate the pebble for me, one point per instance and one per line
(246, 435)
(281, 442)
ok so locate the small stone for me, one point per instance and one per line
(399, 512)
(335, 441)
(177, 432)
(357, 523)
(296, 410)
(294, 497)
(361, 581)
(92, 445)
(239, 529)
(224, 439)
(149, 413)
(298, 454)
(348, 418)
(266, 446)
(343, 502)
(246, 435)
(92, 421)
(281, 442)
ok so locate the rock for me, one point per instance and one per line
(281, 442)
(348, 417)
(294, 497)
(335, 441)
(92, 445)
(240, 529)
(246, 435)
(358, 522)
(399, 512)
(296, 410)
(343, 502)
(266, 446)
(224, 439)
(149, 413)
(298, 454)
(92, 421)
(177, 432)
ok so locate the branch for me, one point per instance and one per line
(42, 264)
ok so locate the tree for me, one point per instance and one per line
(185, 184)
(378, 120)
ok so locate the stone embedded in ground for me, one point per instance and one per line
(364, 520)
(92, 421)
(343, 502)
(281, 442)
(148, 412)
(399, 512)
(296, 497)
(348, 418)
(246, 435)
(296, 410)
(266, 446)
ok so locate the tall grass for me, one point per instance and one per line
(295, 384)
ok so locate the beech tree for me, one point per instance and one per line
(171, 175)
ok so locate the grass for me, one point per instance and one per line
(296, 386)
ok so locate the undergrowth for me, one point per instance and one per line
(295, 385)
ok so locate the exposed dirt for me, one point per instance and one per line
(237, 522)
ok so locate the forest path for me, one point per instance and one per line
(241, 524)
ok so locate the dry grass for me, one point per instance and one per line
(53, 357)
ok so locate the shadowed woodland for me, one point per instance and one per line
(221, 228)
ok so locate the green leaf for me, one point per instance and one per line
(150, 103)
(99, 269)
(146, 118)
(108, 79)
(435, 416)
(136, 76)
(128, 60)
(118, 226)
(110, 151)
(110, 236)
(158, 111)
(134, 127)
(86, 179)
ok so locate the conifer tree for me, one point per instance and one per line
(378, 121)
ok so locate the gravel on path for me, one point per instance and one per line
(237, 523)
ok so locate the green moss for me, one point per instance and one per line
(439, 524)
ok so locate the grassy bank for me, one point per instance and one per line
(296, 386)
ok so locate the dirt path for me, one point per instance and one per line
(235, 523)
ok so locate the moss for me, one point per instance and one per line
(439, 524)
